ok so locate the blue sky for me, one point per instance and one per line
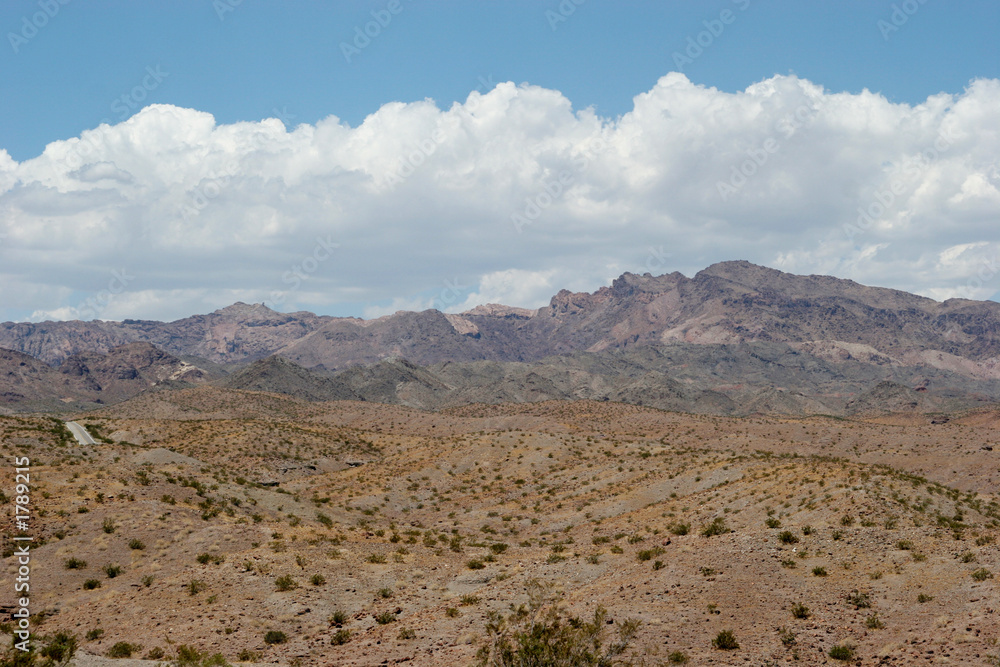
(263, 56)
(196, 198)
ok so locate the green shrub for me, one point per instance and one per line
(407, 633)
(787, 537)
(207, 558)
(772, 522)
(384, 618)
(680, 528)
(923, 597)
(155, 653)
(340, 637)
(188, 656)
(799, 610)
(215, 660)
(384, 593)
(91, 584)
(873, 622)
(725, 641)
(95, 634)
(136, 544)
(842, 652)
(123, 650)
(819, 571)
(904, 545)
(338, 618)
(60, 648)
(275, 637)
(317, 580)
(540, 633)
(716, 527)
(112, 571)
(859, 600)
(475, 564)
(982, 574)
(677, 658)
(286, 583)
(108, 526)
(75, 564)
(647, 554)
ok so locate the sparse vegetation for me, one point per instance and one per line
(541, 633)
(593, 510)
(384, 617)
(800, 611)
(680, 528)
(123, 650)
(716, 527)
(787, 537)
(725, 641)
(842, 652)
(275, 637)
(75, 564)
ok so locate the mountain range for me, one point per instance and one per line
(735, 339)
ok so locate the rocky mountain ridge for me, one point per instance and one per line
(734, 338)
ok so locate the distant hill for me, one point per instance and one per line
(277, 375)
(90, 378)
(735, 338)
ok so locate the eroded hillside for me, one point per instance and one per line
(372, 534)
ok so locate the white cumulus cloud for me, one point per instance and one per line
(511, 195)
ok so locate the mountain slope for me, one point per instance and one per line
(755, 338)
(279, 376)
(236, 333)
(90, 378)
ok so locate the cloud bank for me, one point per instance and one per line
(506, 198)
